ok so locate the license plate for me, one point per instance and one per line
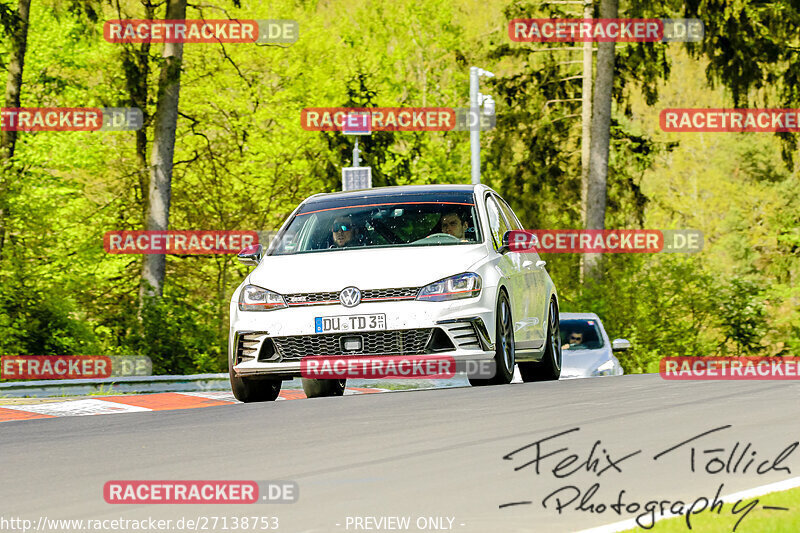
(349, 323)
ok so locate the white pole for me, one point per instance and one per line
(356, 159)
(474, 132)
(586, 114)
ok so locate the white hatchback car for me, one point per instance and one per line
(393, 271)
(587, 349)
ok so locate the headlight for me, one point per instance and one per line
(253, 298)
(605, 369)
(452, 288)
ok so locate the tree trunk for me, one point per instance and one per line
(601, 133)
(136, 65)
(8, 139)
(160, 187)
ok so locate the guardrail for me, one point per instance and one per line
(122, 385)
(192, 383)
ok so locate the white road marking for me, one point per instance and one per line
(213, 395)
(78, 408)
(91, 406)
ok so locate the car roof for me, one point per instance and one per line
(578, 316)
(398, 189)
(444, 194)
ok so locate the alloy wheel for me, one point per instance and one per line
(507, 338)
(555, 335)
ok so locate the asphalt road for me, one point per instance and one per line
(429, 453)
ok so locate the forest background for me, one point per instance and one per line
(243, 162)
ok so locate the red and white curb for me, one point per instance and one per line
(135, 403)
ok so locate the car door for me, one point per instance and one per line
(510, 265)
(532, 269)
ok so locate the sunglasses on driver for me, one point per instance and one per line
(341, 226)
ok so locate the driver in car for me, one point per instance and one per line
(344, 233)
(452, 224)
(575, 339)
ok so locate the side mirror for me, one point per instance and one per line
(506, 246)
(620, 345)
(251, 255)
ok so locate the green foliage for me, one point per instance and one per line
(742, 315)
(665, 305)
(173, 335)
(34, 321)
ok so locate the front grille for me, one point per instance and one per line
(406, 293)
(312, 298)
(397, 342)
(369, 295)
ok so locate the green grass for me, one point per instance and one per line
(756, 520)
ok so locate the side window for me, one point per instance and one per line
(515, 223)
(307, 232)
(510, 216)
(295, 238)
(497, 222)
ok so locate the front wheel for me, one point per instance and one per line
(319, 388)
(549, 368)
(504, 355)
(253, 389)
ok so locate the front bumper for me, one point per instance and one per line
(273, 343)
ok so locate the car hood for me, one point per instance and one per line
(374, 268)
(582, 362)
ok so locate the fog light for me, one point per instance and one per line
(351, 344)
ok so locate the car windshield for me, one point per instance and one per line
(379, 223)
(581, 334)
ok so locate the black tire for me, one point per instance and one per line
(319, 388)
(549, 368)
(504, 352)
(254, 389)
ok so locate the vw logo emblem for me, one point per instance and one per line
(350, 297)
